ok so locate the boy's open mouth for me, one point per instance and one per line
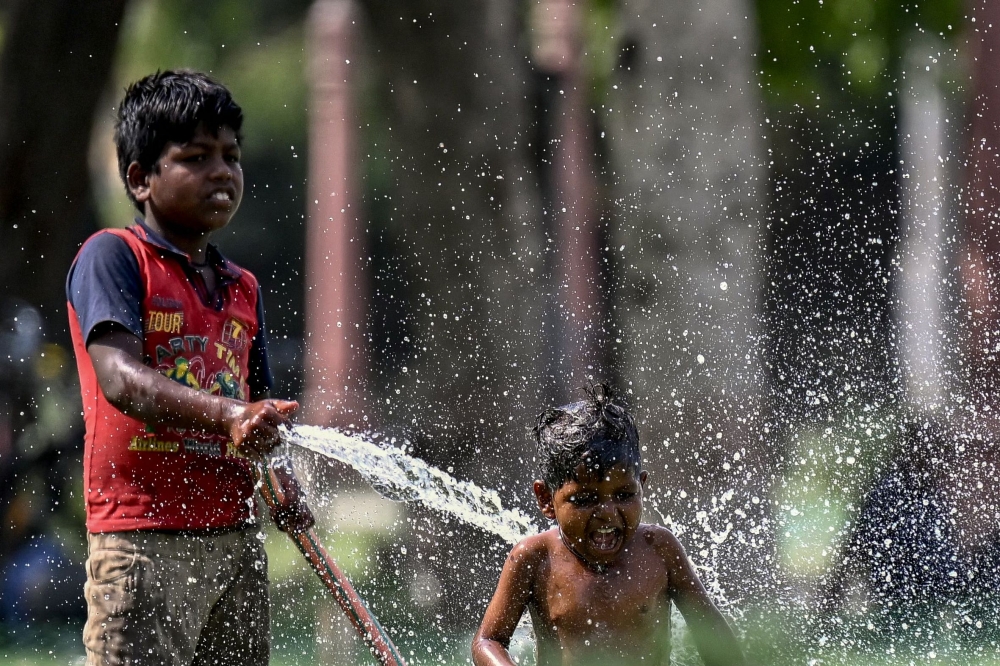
(605, 538)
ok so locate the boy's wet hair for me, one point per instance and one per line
(169, 106)
(598, 432)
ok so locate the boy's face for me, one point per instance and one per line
(195, 187)
(598, 515)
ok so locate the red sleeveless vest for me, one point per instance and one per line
(163, 478)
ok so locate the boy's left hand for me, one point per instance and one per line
(291, 514)
(294, 518)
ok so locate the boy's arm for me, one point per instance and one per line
(489, 647)
(712, 635)
(144, 394)
(259, 378)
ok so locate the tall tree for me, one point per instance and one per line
(981, 258)
(979, 264)
(54, 64)
(56, 58)
(687, 162)
(454, 221)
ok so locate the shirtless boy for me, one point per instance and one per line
(599, 584)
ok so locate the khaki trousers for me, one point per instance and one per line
(167, 599)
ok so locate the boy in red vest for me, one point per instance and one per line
(172, 355)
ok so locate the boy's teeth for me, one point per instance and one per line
(222, 196)
(604, 538)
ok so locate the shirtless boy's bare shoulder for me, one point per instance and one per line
(667, 548)
(660, 538)
(532, 550)
(535, 545)
(529, 562)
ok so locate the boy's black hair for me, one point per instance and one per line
(597, 431)
(169, 106)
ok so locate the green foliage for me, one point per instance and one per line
(600, 33)
(830, 467)
(784, 635)
(818, 53)
(256, 47)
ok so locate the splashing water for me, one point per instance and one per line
(400, 477)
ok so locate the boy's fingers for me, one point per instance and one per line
(276, 412)
(285, 407)
(258, 433)
(262, 445)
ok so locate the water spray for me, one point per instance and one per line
(400, 477)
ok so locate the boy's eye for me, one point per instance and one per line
(581, 500)
(624, 496)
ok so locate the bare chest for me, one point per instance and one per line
(628, 600)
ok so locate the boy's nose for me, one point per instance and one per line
(222, 170)
(604, 511)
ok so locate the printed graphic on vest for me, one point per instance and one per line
(234, 335)
(152, 444)
(226, 386)
(160, 321)
(197, 362)
(202, 448)
(182, 374)
(184, 360)
(167, 303)
(187, 346)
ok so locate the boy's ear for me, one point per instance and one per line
(544, 497)
(137, 180)
(643, 476)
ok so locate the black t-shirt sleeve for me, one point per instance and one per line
(259, 381)
(104, 285)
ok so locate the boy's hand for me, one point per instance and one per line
(293, 519)
(254, 426)
(290, 514)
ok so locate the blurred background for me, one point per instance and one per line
(769, 223)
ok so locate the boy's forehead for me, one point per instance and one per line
(592, 471)
(205, 136)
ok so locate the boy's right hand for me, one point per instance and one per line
(254, 426)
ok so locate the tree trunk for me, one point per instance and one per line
(687, 166)
(458, 228)
(979, 266)
(55, 64)
(980, 263)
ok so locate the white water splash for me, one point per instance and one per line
(400, 477)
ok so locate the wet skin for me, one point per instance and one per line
(596, 515)
(600, 591)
